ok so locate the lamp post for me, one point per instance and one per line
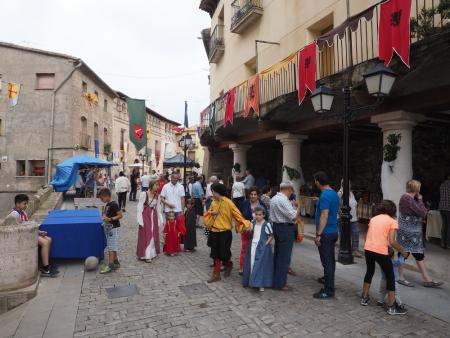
(186, 143)
(143, 158)
(379, 81)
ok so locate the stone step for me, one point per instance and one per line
(12, 299)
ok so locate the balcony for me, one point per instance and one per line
(245, 12)
(106, 148)
(338, 52)
(85, 141)
(216, 44)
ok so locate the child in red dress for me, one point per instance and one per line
(173, 230)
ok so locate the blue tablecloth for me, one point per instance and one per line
(75, 235)
(74, 213)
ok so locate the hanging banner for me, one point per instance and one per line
(394, 30)
(252, 101)
(306, 70)
(13, 93)
(229, 108)
(138, 122)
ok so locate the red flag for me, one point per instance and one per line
(306, 70)
(394, 30)
(229, 108)
(252, 100)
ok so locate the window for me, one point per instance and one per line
(0, 82)
(45, 81)
(1, 127)
(96, 94)
(122, 139)
(95, 131)
(37, 168)
(84, 87)
(20, 168)
(105, 105)
(124, 107)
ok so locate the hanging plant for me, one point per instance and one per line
(391, 148)
(237, 168)
(293, 174)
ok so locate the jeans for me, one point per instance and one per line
(284, 241)
(327, 257)
(355, 235)
(122, 197)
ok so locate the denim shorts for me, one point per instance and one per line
(112, 238)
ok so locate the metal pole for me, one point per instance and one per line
(345, 252)
(184, 170)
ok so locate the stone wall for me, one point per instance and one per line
(18, 258)
(36, 200)
(366, 156)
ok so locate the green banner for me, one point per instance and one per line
(138, 122)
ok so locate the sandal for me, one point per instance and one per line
(432, 284)
(292, 272)
(404, 282)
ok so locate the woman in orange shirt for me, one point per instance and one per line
(380, 235)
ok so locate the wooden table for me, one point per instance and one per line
(87, 203)
(434, 224)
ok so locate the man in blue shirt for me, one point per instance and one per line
(326, 233)
(198, 195)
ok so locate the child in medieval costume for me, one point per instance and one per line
(190, 216)
(148, 246)
(258, 266)
(173, 231)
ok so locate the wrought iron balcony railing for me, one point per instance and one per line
(335, 54)
(245, 12)
(216, 44)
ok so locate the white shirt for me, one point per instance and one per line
(238, 190)
(123, 184)
(209, 193)
(145, 180)
(353, 205)
(79, 182)
(173, 194)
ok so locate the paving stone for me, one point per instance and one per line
(175, 301)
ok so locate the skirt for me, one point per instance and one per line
(220, 243)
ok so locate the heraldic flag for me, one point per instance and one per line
(306, 70)
(394, 30)
(252, 101)
(138, 122)
(229, 108)
(13, 90)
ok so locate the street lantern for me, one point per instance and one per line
(322, 99)
(186, 143)
(379, 80)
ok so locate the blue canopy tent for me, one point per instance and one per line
(66, 171)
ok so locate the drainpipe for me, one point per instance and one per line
(52, 121)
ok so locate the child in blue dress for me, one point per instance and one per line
(258, 266)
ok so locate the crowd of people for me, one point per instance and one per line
(168, 215)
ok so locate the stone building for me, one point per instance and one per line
(64, 109)
(286, 134)
(196, 153)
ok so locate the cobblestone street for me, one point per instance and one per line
(175, 301)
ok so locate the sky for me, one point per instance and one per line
(147, 49)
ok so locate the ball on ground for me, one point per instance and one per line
(91, 263)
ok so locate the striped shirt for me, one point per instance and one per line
(281, 209)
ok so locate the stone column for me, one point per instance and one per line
(395, 175)
(239, 156)
(291, 157)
